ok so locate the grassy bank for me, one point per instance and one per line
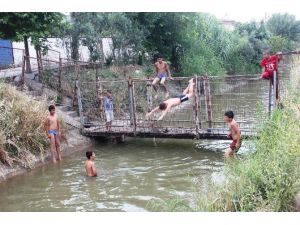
(268, 179)
(21, 128)
(265, 180)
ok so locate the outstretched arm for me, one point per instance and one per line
(150, 113)
(164, 113)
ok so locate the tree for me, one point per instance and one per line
(36, 25)
(284, 25)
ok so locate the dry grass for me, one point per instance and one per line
(22, 136)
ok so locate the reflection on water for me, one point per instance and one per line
(131, 175)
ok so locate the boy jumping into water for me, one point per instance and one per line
(172, 102)
(162, 71)
(52, 128)
(90, 167)
(234, 134)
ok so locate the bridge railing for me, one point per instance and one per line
(133, 98)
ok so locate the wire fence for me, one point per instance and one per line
(247, 97)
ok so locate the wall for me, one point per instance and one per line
(60, 45)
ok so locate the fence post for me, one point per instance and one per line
(270, 97)
(23, 73)
(149, 96)
(76, 76)
(196, 106)
(99, 92)
(131, 104)
(80, 108)
(274, 89)
(59, 76)
(38, 61)
(199, 84)
(207, 94)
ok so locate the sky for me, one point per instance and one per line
(242, 10)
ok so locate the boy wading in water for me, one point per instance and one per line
(234, 134)
(162, 72)
(52, 128)
(90, 167)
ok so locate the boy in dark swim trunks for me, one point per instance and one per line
(172, 102)
(52, 128)
(162, 72)
(234, 134)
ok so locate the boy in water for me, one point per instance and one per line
(162, 72)
(52, 128)
(172, 102)
(234, 134)
(90, 167)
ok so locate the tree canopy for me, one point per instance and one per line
(193, 43)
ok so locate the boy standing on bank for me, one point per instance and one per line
(52, 128)
(234, 134)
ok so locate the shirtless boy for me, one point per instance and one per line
(90, 168)
(234, 134)
(52, 128)
(162, 71)
(172, 102)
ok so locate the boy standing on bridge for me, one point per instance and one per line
(234, 134)
(52, 128)
(162, 72)
(109, 109)
(172, 102)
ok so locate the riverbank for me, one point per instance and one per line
(23, 143)
(267, 179)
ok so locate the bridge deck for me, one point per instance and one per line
(162, 132)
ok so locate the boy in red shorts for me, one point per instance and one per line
(234, 134)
